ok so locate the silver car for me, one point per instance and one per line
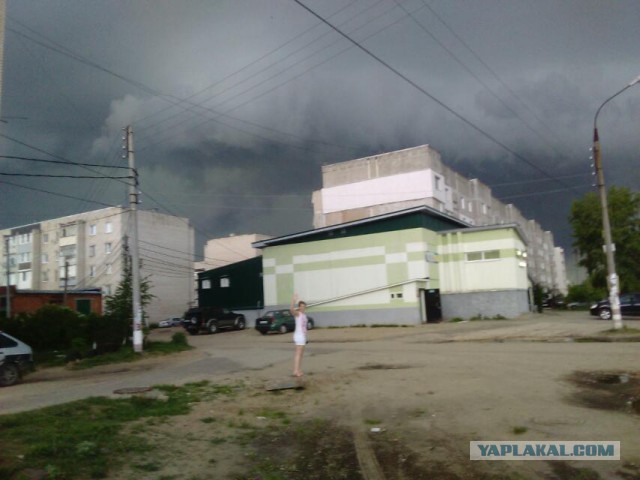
(16, 358)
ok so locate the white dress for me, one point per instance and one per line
(300, 333)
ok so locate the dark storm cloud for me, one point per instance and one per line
(244, 152)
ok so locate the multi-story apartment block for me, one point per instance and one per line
(85, 251)
(394, 181)
(219, 252)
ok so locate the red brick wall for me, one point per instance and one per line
(29, 302)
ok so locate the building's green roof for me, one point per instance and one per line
(416, 217)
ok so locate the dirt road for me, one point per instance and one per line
(432, 388)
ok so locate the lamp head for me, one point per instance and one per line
(636, 80)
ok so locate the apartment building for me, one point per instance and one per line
(219, 252)
(380, 184)
(85, 251)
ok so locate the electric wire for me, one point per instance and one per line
(56, 194)
(61, 162)
(473, 74)
(283, 83)
(433, 98)
(45, 175)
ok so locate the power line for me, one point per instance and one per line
(56, 194)
(470, 72)
(105, 177)
(63, 162)
(432, 97)
(489, 69)
(53, 155)
(281, 84)
(151, 91)
(227, 77)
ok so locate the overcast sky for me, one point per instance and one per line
(236, 104)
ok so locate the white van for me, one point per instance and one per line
(16, 358)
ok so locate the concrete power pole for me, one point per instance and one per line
(66, 281)
(135, 256)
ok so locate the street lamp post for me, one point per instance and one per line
(609, 247)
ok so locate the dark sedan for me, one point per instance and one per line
(279, 321)
(629, 306)
(212, 320)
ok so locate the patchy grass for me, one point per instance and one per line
(622, 331)
(519, 430)
(126, 354)
(84, 439)
(486, 317)
(565, 470)
(372, 421)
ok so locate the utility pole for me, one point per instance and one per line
(135, 257)
(609, 246)
(66, 281)
(8, 290)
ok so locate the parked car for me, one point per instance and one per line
(212, 319)
(279, 321)
(16, 358)
(170, 322)
(629, 306)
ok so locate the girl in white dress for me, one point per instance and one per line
(300, 333)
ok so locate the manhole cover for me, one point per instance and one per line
(132, 390)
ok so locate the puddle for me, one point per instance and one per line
(612, 390)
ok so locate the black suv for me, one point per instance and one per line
(211, 320)
(629, 306)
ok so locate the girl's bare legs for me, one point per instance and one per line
(297, 361)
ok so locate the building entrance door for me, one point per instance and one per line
(430, 300)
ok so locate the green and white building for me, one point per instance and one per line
(404, 267)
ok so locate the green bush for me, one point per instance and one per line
(179, 338)
(58, 328)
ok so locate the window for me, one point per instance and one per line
(45, 238)
(92, 250)
(225, 282)
(492, 255)
(474, 256)
(24, 276)
(463, 204)
(45, 276)
(486, 255)
(108, 227)
(438, 183)
(93, 229)
(107, 248)
(6, 342)
(106, 289)
(470, 207)
(45, 258)
(69, 231)
(109, 269)
(25, 257)
(206, 284)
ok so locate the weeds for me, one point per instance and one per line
(83, 439)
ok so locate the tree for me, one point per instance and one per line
(120, 304)
(624, 217)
